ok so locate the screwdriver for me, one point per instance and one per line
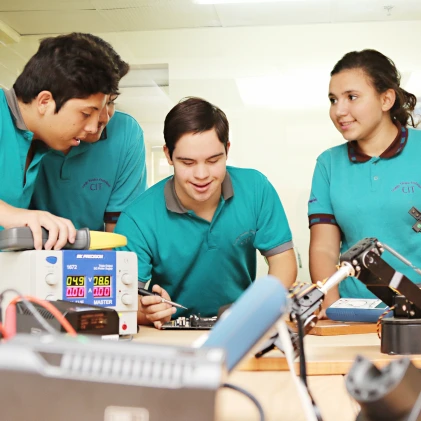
(146, 293)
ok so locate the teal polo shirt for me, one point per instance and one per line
(204, 265)
(17, 185)
(371, 197)
(94, 182)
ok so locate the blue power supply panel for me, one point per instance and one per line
(357, 310)
(89, 277)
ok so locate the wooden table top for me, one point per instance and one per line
(325, 355)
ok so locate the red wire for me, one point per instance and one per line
(53, 310)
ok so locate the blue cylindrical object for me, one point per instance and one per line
(249, 318)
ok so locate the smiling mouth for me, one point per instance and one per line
(201, 186)
(345, 124)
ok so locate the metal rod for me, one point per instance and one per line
(401, 258)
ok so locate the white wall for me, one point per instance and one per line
(281, 143)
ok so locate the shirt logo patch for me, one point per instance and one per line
(407, 187)
(95, 184)
(245, 238)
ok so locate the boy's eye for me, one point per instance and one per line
(332, 100)
(112, 99)
(86, 115)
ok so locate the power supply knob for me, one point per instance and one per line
(126, 279)
(51, 279)
(51, 297)
(127, 299)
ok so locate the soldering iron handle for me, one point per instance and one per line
(145, 292)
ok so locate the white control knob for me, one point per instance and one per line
(51, 297)
(127, 299)
(126, 279)
(51, 279)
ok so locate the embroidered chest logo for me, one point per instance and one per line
(407, 187)
(245, 238)
(96, 184)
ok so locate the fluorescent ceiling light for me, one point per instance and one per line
(240, 1)
(292, 90)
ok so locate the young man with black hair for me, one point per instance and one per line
(196, 233)
(54, 104)
(92, 183)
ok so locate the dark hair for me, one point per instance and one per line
(194, 115)
(70, 66)
(383, 75)
(123, 67)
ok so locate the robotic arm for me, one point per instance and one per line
(364, 261)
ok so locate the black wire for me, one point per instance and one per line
(32, 309)
(303, 365)
(248, 395)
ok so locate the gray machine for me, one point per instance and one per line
(51, 378)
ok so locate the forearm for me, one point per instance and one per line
(322, 266)
(284, 267)
(109, 226)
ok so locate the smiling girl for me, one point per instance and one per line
(366, 186)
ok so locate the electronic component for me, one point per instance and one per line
(21, 238)
(357, 310)
(193, 322)
(56, 377)
(99, 278)
(390, 393)
(85, 319)
(417, 215)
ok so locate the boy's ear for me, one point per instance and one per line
(45, 102)
(167, 155)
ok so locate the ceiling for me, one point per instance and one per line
(151, 102)
(32, 17)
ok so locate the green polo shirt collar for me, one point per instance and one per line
(12, 102)
(173, 202)
(355, 154)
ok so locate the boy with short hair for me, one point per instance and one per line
(196, 233)
(54, 104)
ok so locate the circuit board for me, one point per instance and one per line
(193, 322)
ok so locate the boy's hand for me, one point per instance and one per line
(154, 310)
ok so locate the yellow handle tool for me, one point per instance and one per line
(14, 239)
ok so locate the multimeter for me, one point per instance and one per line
(357, 310)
